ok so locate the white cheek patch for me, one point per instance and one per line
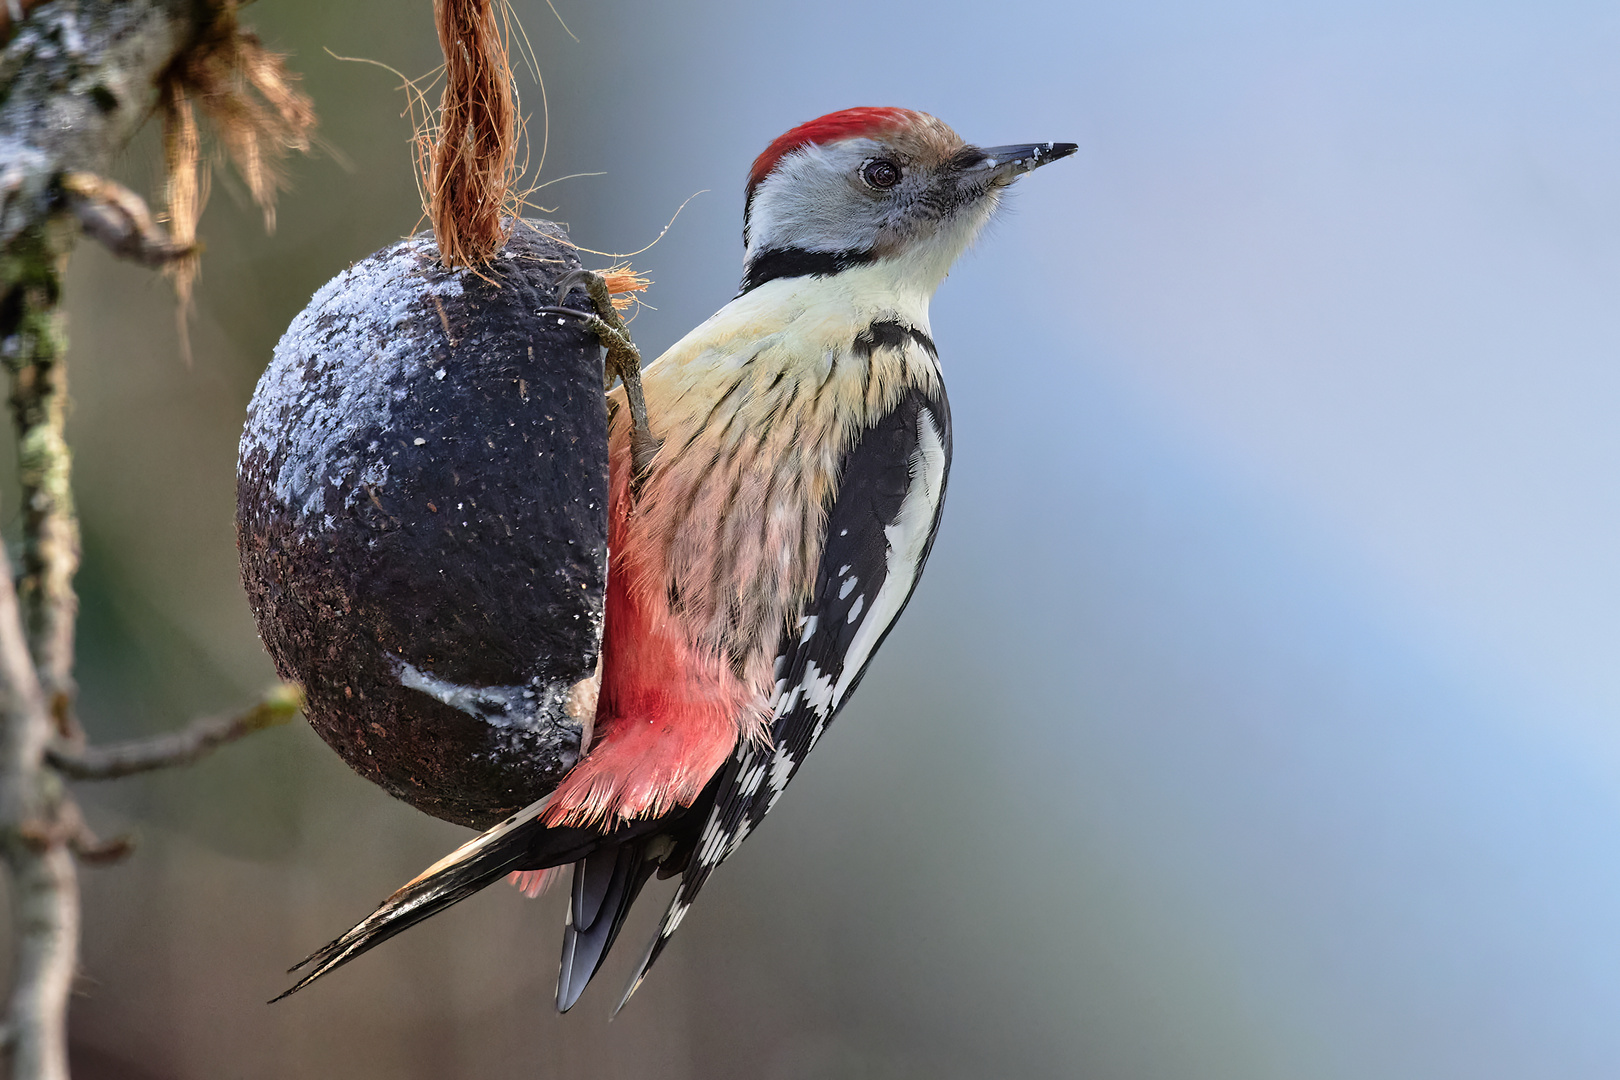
(808, 201)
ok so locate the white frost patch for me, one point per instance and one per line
(529, 707)
(357, 324)
(375, 474)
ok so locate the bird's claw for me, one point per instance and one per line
(576, 279)
(623, 362)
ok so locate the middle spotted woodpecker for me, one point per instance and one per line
(803, 442)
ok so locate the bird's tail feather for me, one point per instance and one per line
(606, 883)
(520, 842)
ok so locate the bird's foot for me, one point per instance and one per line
(623, 363)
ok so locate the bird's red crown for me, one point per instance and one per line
(845, 124)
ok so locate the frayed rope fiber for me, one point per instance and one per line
(471, 163)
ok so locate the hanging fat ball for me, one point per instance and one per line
(422, 521)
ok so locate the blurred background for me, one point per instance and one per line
(1259, 716)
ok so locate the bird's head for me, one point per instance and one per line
(874, 185)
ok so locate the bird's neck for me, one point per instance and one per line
(823, 309)
(853, 282)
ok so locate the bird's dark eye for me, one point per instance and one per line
(880, 173)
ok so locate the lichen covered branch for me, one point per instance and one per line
(77, 78)
(33, 343)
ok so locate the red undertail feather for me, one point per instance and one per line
(667, 716)
(532, 883)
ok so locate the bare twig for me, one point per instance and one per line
(111, 213)
(177, 747)
(70, 828)
(45, 893)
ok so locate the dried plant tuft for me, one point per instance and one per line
(621, 282)
(254, 108)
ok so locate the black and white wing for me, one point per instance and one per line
(880, 529)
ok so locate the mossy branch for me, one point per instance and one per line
(77, 78)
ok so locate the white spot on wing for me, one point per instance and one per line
(751, 780)
(848, 584)
(818, 689)
(782, 766)
(715, 842)
(855, 608)
(907, 536)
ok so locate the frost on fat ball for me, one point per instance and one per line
(402, 390)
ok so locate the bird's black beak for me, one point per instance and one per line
(1004, 164)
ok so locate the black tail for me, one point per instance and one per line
(606, 883)
(609, 871)
(519, 843)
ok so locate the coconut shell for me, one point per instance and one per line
(422, 522)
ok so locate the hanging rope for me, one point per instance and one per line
(471, 163)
